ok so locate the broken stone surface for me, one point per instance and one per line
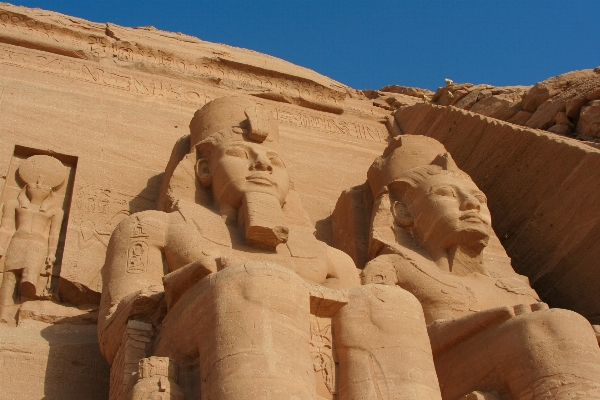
(54, 313)
(539, 106)
(408, 91)
(544, 90)
(589, 120)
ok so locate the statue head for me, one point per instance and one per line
(236, 140)
(42, 175)
(430, 198)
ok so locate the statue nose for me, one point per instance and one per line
(470, 202)
(262, 163)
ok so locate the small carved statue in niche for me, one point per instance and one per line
(431, 234)
(157, 380)
(234, 265)
(30, 229)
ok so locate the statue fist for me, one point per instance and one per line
(50, 260)
(381, 271)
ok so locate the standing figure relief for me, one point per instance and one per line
(29, 230)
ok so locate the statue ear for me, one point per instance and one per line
(203, 172)
(402, 214)
(399, 192)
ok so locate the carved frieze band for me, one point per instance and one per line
(148, 85)
(64, 40)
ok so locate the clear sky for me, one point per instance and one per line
(369, 44)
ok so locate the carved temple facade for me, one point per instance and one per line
(110, 104)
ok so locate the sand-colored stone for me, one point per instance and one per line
(232, 261)
(429, 233)
(539, 106)
(257, 271)
(589, 120)
(150, 83)
(29, 231)
(547, 225)
(40, 360)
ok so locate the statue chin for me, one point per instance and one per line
(475, 239)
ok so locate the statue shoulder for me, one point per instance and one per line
(142, 224)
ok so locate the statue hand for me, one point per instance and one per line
(147, 305)
(179, 281)
(380, 270)
(50, 260)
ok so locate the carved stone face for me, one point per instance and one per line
(37, 192)
(449, 210)
(239, 167)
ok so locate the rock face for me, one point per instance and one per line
(170, 209)
(545, 235)
(556, 104)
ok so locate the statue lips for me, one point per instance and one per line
(472, 217)
(261, 179)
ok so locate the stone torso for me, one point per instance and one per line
(31, 220)
(446, 296)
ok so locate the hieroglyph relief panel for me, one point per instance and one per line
(24, 225)
(95, 214)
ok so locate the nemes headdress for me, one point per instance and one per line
(404, 154)
(234, 118)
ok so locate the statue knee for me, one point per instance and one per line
(554, 325)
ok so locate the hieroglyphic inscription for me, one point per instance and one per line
(137, 258)
(338, 126)
(112, 77)
(321, 351)
(95, 214)
(126, 54)
(147, 85)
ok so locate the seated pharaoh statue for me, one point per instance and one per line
(431, 234)
(240, 293)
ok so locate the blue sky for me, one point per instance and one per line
(369, 44)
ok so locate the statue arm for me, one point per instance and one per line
(190, 258)
(342, 271)
(55, 225)
(7, 225)
(179, 281)
(132, 279)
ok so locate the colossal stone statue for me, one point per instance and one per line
(29, 230)
(239, 290)
(430, 231)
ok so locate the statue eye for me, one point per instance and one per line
(236, 152)
(444, 191)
